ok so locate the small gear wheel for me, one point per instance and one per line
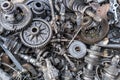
(14, 17)
(37, 35)
(40, 8)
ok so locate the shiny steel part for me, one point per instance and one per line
(112, 71)
(1, 29)
(100, 1)
(93, 32)
(114, 35)
(67, 74)
(29, 2)
(4, 75)
(92, 60)
(13, 44)
(53, 16)
(14, 16)
(29, 59)
(50, 72)
(113, 8)
(62, 52)
(79, 6)
(111, 46)
(15, 61)
(70, 62)
(37, 35)
(30, 69)
(77, 49)
(40, 8)
(88, 1)
(18, 1)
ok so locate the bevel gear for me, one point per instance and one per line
(14, 17)
(93, 31)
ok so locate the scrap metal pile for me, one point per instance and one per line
(60, 40)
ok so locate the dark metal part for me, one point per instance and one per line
(14, 16)
(92, 61)
(112, 46)
(113, 8)
(37, 35)
(93, 32)
(15, 61)
(50, 72)
(30, 60)
(40, 8)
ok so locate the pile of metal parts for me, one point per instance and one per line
(60, 40)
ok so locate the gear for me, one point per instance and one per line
(92, 31)
(40, 8)
(14, 16)
(37, 35)
(77, 49)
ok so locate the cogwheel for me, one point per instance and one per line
(40, 8)
(14, 17)
(37, 35)
(92, 31)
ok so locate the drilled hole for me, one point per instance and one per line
(38, 4)
(34, 30)
(5, 5)
(85, 20)
(77, 49)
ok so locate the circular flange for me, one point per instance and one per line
(40, 8)
(22, 16)
(93, 32)
(37, 35)
(77, 49)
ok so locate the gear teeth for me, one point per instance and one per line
(37, 35)
(25, 20)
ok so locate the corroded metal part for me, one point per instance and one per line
(93, 32)
(14, 17)
(37, 35)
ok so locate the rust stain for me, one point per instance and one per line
(102, 11)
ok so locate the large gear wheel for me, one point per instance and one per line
(92, 31)
(37, 35)
(14, 17)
